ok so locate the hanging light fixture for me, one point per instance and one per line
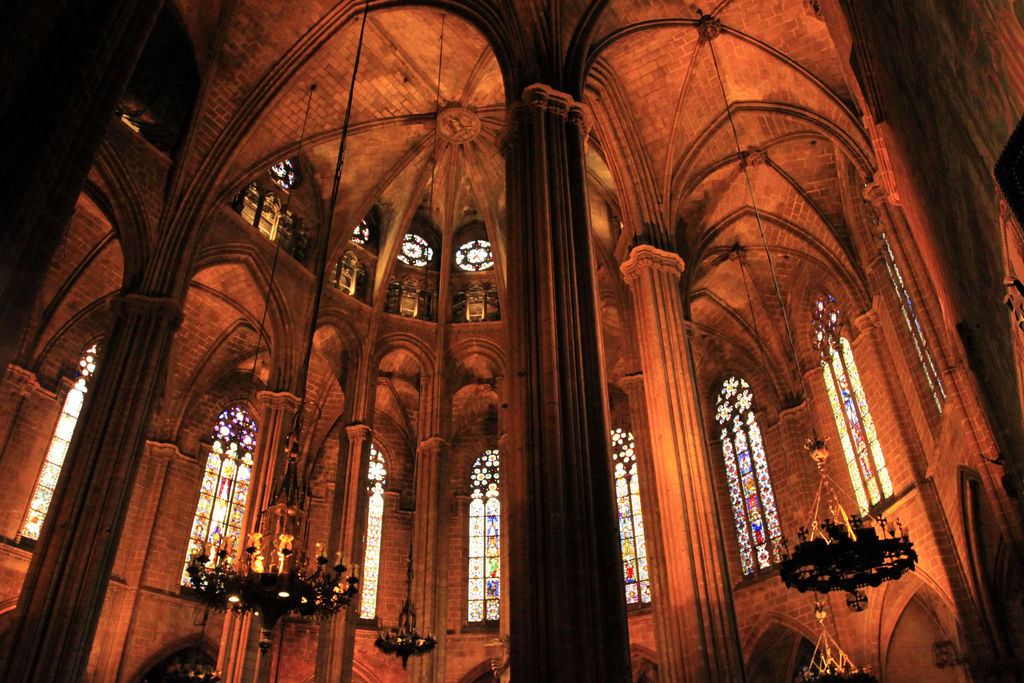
(841, 552)
(273, 578)
(829, 664)
(404, 641)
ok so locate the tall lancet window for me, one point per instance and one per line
(484, 539)
(863, 453)
(924, 355)
(376, 478)
(631, 520)
(218, 519)
(750, 487)
(59, 443)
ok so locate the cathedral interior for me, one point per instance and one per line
(534, 310)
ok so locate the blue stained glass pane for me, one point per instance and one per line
(223, 490)
(493, 588)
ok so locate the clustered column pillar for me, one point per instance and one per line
(429, 539)
(63, 593)
(697, 631)
(670, 664)
(336, 647)
(566, 585)
(277, 412)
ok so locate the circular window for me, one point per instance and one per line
(284, 174)
(475, 255)
(361, 235)
(415, 250)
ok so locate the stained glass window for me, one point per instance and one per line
(59, 442)
(863, 453)
(484, 539)
(284, 174)
(361, 234)
(924, 355)
(750, 486)
(474, 255)
(226, 478)
(415, 250)
(376, 478)
(631, 520)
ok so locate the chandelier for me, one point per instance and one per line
(829, 664)
(272, 579)
(404, 641)
(845, 553)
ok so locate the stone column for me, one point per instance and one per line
(695, 603)
(566, 584)
(274, 421)
(60, 601)
(670, 664)
(64, 65)
(337, 641)
(429, 554)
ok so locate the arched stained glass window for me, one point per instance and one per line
(59, 442)
(924, 355)
(361, 233)
(376, 478)
(484, 539)
(218, 518)
(863, 453)
(750, 487)
(631, 520)
(474, 255)
(285, 174)
(416, 251)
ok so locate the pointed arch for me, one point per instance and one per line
(750, 486)
(484, 538)
(46, 482)
(376, 479)
(864, 459)
(222, 497)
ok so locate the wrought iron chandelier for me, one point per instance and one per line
(271, 579)
(845, 553)
(404, 641)
(829, 664)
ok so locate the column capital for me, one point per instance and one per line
(148, 306)
(557, 102)
(632, 382)
(277, 399)
(23, 382)
(644, 258)
(357, 431)
(875, 194)
(866, 320)
(432, 446)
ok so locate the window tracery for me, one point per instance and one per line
(376, 479)
(416, 251)
(39, 504)
(863, 453)
(361, 233)
(750, 486)
(475, 255)
(218, 518)
(924, 354)
(285, 174)
(484, 539)
(632, 539)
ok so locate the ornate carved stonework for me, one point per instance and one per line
(753, 157)
(708, 27)
(22, 381)
(458, 124)
(645, 257)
